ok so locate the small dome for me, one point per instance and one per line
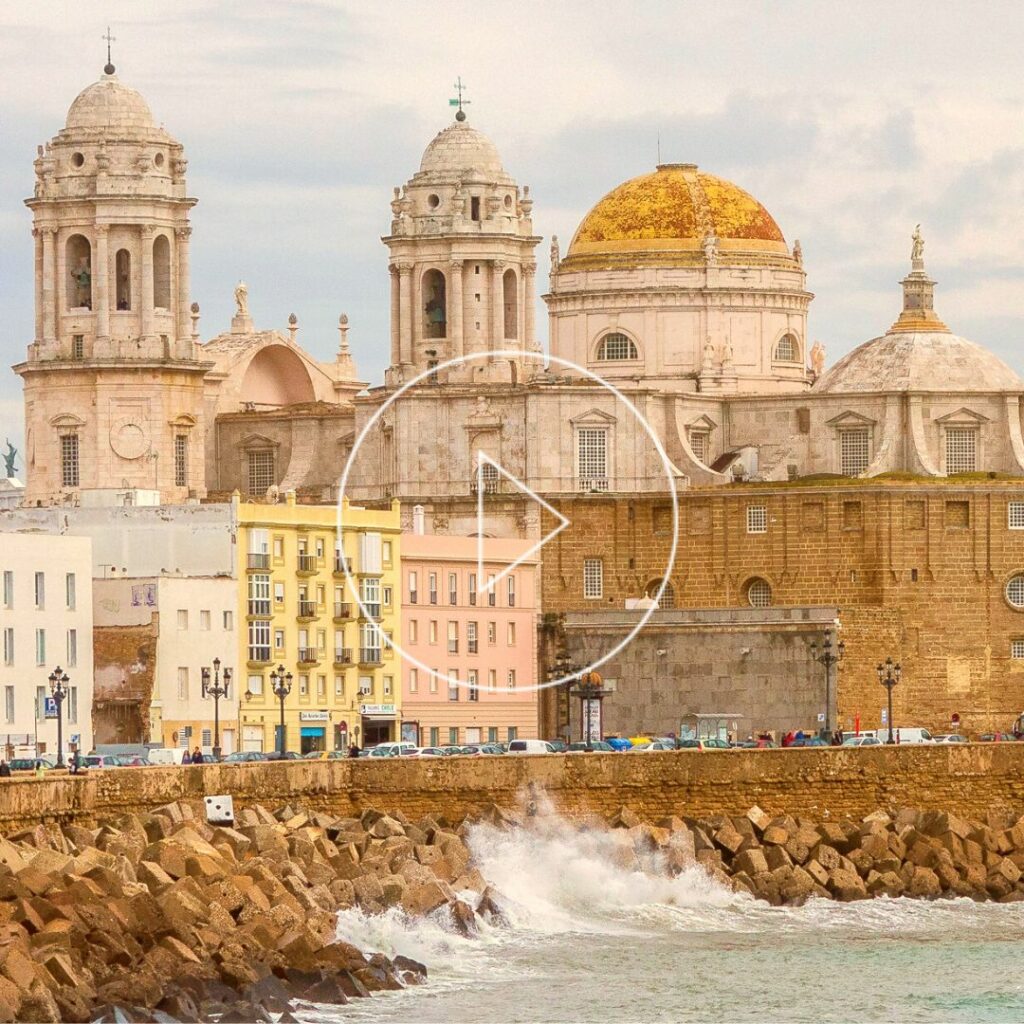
(664, 218)
(459, 147)
(109, 104)
(919, 361)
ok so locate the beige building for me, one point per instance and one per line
(45, 622)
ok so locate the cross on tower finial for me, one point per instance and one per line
(109, 69)
(460, 114)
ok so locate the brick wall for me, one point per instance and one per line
(966, 780)
(919, 573)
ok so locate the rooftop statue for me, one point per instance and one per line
(242, 298)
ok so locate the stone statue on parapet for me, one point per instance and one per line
(556, 256)
(10, 457)
(917, 250)
(242, 298)
(818, 358)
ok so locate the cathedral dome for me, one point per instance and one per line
(459, 148)
(109, 104)
(903, 360)
(664, 219)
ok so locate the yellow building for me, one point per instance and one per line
(301, 615)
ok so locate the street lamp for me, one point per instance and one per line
(59, 690)
(216, 691)
(889, 675)
(591, 692)
(828, 655)
(563, 668)
(281, 684)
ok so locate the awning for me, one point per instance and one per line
(312, 730)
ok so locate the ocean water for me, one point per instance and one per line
(590, 940)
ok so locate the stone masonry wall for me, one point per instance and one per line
(819, 783)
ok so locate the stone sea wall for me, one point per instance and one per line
(820, 783)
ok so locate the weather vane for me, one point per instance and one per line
(460, 114)
(109, 69)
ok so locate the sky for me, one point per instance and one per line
(851, 123)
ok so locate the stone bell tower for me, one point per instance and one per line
(462, 261)
(113, 381)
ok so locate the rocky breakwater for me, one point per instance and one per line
(787, 860)
(164, 917)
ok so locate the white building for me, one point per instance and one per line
(45, 622)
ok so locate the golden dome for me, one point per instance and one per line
(664, 218)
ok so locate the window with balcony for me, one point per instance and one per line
(592, 458)
(259, 641)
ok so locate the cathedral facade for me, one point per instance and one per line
(678, 289)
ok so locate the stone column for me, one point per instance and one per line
(457, 347)
(148, 234)
(529, 308)
(183, 235)
(101, 280)
(405, 303)
(497, 306)
(50, 291)
(38, 270)
(396, 356)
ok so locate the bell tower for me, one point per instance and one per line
(113, 379)
(462, 261)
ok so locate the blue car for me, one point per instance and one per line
(619, 743)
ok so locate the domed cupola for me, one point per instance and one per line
(462, 262)
(109, 104)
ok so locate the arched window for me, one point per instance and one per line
(123, 279)
(79, 263)
(511, 298)
(161, 272)
(787, 350)
(1015, 592)
(759, 593)
(668, 595)
(435, 307)
(616, 346)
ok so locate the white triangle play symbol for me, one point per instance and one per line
(484, 585)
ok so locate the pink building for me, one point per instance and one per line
(477, 652)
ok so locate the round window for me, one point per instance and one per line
(77, 159)
(508, 202)
(1015, 592)
(759, 593)
(159, 159)
(433, 202)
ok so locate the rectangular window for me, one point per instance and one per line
(414, 680)
(279, 549)
(492, 680)
(511, 678)
(321, 687)
(385, 552)
(77, 346)
(40, 646)
(413, 584)
(453, 730)
(471, 588)
(256, 685)
(1014, 521)
(182, 618)
(513, 733)
(414, 631)
(492, 734)
(339, 686)
(854, 451)
(961, 450)
(511, 589)
(1017, 649)
(73, 704)
(369, 591)
(471, 637)
(69, 460)
(183, 682)
(180, 460)
(8, 588)
(261, 473)
(492, 593)
(370, 552)
(229, 620)
(9, 703)
(389, 684)
(69, 590)
(511, 634)
(453, 588)
(472, 734)
(303, 685)
(453, 684)
(492, 632)
(593, 578)
(757, 519)
(40, 702)
(592, 458)
(278, 593)
(699, 445)
(365, 686)
(433, 680)
(453, 638)
(432, 632)
(432, 587)
(278, 639)
(385, 596)
(320, 548)
(204, 619)
(8, 645)
(72, 648)
(204, 737)
(435, 735)
(259, 641)
(40, 590)
(474, 686)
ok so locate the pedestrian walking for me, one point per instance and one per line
(5, 770)
(353, 750)
(197, 756)
(186, 758)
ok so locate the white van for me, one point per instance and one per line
(530, 747)
(165, 755)
(911, 734)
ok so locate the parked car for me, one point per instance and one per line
(89, 761)
(690, 744)
(711, 743)
(620, 743)
(557, 746)
(450, 751)
(391, 749)
(326, 755)
(997, 737)
(276, 755)
(134, 761)
(862, 741)
(532, 747)
(645, 748)
(244, 757)
(431, 752)
(953, 737)
(811, 741)
(596, 746)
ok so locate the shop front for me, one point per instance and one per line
(313, 726)
(378, 721)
